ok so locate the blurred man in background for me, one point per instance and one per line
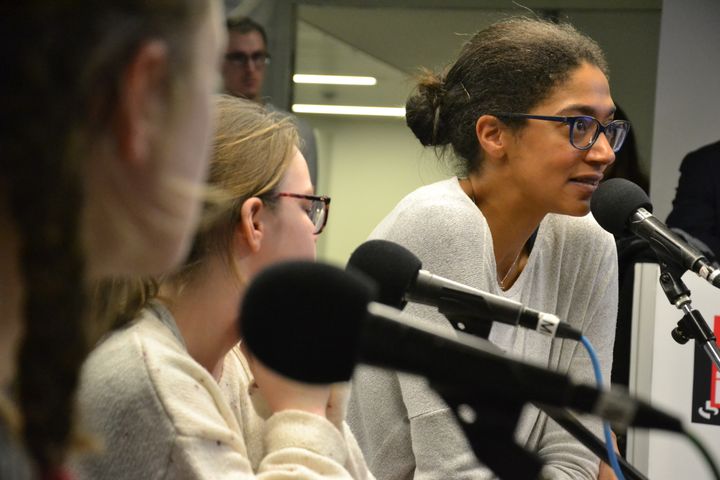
(244, 69)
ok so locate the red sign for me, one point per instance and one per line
(715, 376)
(706, 385)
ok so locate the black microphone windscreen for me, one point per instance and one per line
(614, 202)
(392, 266)
(302, 319)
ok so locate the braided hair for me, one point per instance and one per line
(60, 85)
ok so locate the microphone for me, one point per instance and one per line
(328, 323)
(400, 277)
(619, 205)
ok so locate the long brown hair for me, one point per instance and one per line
(64, 65)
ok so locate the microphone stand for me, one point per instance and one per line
(489, 426)
(488, 423)
(504, 456)
(692, 325)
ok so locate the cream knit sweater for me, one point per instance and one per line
(161, 415)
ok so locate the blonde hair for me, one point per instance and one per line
(251, 152)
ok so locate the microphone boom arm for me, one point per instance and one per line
(489, 425)
(568, 421)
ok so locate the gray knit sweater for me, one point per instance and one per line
(403, 427)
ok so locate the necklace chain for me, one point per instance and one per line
(501, 282)
(512, 268)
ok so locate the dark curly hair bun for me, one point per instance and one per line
(423, 110)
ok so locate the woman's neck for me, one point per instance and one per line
(206, 312)
(511, 222)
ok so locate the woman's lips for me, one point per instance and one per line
(587, 182)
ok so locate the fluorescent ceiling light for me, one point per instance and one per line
(349, 110)
(333, 79)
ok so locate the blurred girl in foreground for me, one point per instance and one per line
(106, 122)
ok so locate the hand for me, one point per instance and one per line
(606, 472)
(282, 393)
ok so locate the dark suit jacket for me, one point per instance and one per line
(696, 208)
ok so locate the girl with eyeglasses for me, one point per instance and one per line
(525, 114)
(170, 393)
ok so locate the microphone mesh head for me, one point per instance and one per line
(614, 202)
(303, 320)
(392, 266)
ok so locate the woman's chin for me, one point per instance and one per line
(576, 209)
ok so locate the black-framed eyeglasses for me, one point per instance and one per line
(258, 59)
(317, 209)
(584, 129)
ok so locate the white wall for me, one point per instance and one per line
(366, 165)
(687, 104)
(630, 42)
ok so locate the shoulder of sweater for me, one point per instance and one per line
(583, 231)
(125, 366)
(430, 208)
(143, 372)
(443, 192)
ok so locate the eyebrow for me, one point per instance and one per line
(247, 54)
(585, 110)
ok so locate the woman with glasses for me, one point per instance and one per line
(527, 114)
(170, 394)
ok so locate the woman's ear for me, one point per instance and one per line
(492, 136)
(142, 98)
(250, 227)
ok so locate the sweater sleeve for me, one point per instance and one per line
(414, 434)
(299, 445)
(565, 457)
(295, 445)
(439, 446)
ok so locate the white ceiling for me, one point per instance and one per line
(335, 40)
(403, 37)
(321, 53)
(392, 43)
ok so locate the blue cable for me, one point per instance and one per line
(612, 456)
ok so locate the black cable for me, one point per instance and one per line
(705, 453)
(566, 420)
